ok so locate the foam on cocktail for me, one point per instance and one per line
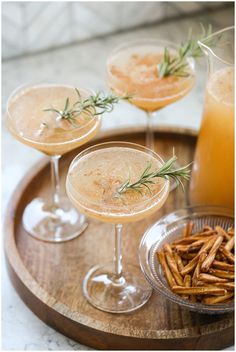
(94, 179)
(44, 130)
(134, 71)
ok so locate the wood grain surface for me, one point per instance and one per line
(49, 276)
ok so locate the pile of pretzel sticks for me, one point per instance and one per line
(200, 266)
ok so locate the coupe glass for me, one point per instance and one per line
(92, 184)
(52, 219)
(132, 70)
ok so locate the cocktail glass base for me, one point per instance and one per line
(53, 223)
(113, 294)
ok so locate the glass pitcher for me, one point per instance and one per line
(212, 179)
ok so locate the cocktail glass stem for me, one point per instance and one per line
(118, 254)
(55, 179)
(109, 288)
(150, 133)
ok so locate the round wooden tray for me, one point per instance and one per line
(48, 276)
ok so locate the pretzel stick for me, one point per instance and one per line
(172, 264)
(198, 290)
(199, 243)
(182, 248)
(210, 278)
(222, 232)
(202, 283)
(190, 266)
(191, 297)
(230, 244)
(227, 254)
(170, 279)
(186, 240)
(222, 265)
(192, 238)
(197, 270)
(191, 247)
(207, 228)
(202, 235)
(221, 273)
(206, 233)
(211, 256)
(214, 300)
(227, 285)
(187, 283)
(207, 245)
(230, 231)
(178, 261)
(188, 229)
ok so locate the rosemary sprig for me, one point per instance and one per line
(176, 65)
(147, 178)
(91, 106)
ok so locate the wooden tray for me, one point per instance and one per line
(48, 277)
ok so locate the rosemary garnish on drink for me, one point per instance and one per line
(90, 106)
(147, 178)
(176, 65)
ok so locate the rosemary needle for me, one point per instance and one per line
(147, 178)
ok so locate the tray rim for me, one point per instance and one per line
(34, 288)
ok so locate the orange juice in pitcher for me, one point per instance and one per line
(212, 179)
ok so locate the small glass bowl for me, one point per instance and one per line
(169, 228)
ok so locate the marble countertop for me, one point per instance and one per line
(82, 64)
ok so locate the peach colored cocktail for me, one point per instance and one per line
(44, 130)
(133, 71)
(94, 179)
